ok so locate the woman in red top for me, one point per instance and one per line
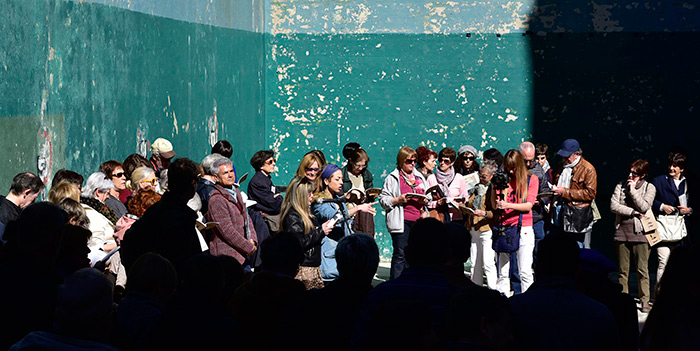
(518, 199)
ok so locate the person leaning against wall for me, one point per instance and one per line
(631, 200)
(401, 211)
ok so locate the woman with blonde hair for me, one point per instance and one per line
(64, 189)
(402, 212)
(311, 166)
(515, 209)
(143, 178)
(298, 221)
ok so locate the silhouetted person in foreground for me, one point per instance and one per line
(199, 318)
(168, 227)
(673, 322)
(593, 282)
(479, 319)
(422, 283)
(271, 302)
(552, 315)
(29, 281)
(459, 244)
(357, 256)
(151, 285)
(83, 317)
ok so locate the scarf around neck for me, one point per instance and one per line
(565, 177)
(444, 179)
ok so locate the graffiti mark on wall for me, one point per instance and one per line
(44, 160)
(142, 143)
(213, 128)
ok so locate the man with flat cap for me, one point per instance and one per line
(575, 185)
(161, 154)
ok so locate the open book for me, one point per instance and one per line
(206, 226)
(467, 211)
(417, 197)
(545, 194)
(358, 196)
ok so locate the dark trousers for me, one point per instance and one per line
(398, 242)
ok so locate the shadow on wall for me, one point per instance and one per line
(623, 81)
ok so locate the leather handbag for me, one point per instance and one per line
(576, 219)
(273, 222)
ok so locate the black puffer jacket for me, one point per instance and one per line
(311, 242)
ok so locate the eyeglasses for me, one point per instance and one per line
(271, 161)
(445, 160)
(312, 169)
(470, 158)
(151, 181)
(527, 162)
(634, 174)
(119, 175)
(409, 161)
(484, 176)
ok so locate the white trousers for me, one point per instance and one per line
(483, 259)
(525, 259)
(662, 252)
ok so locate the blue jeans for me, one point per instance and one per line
(538, 228)
(398, 242)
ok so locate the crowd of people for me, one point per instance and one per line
(168, 252)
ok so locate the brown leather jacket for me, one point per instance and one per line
(583, 186)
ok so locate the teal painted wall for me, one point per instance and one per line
(619, 77)
(120, 79)
(389, 90)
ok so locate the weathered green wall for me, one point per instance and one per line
(618, 77)
(119, 79)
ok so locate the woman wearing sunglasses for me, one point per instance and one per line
(143, 178)
(467, 165)
(402, 211)
(114, 170)
(311, 166)
(452, 187)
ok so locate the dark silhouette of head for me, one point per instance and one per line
(427, 244)
(84, 306)
(480, 316)
(282, 253)
(557, 255)
(153, 275)
(357, 256)
(183, 175)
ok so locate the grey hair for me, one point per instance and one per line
(96, 181)
(490, 166)
(214, 168)
(208, 161)
(526, 145)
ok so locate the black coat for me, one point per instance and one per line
(167, 228)
(261, 190)
(367, 179)
(311, 242)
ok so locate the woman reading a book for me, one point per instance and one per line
(338, 213)
(450, 191)
(517, 201)
(298, 221)
(403, 198)
(479, 224)
(356, 175)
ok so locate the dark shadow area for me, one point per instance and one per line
(622, 92)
